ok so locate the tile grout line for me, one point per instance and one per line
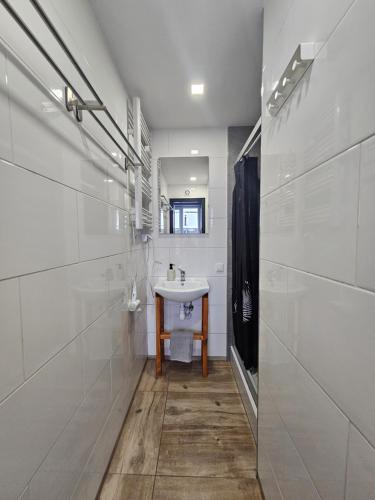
(161, 432)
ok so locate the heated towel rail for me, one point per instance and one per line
(131, 156)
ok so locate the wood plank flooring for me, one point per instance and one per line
(186, 437)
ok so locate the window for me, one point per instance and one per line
(187, 215)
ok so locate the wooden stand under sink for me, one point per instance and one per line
(162, 335)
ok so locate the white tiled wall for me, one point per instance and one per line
(316, 406)
(70, 354)
(197, 254)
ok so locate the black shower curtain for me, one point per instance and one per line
(245, 261)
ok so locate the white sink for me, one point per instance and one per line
(185, 291)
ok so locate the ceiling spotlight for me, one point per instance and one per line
(194, 151)
(193, 178)
(197, 88)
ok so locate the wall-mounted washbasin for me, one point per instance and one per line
(182, 291)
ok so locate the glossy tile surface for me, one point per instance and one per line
(325, 115)
(70, 299)
(199, 254)
(366, 231)
(217, 203)
(198, 263)
(316, 222)
(327, 346)
(43, 232)
(361, 468)
(11, 362)
(99, 343)
(35, 415)
(216, 320)
(273, 298)
(5, 131)
(311, 223)
(63, 156)
(60, 472)
(58, 427)
(102, 228)
(317, 427)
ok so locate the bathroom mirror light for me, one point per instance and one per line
(298, 64)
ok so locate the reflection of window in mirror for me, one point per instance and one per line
(183, 194)
(187, 216)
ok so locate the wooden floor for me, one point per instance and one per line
(185, 438)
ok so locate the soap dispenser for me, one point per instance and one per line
(171, 274)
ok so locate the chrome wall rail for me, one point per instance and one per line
(80, 103)
(251, 140)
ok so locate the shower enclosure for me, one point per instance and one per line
(243, 261)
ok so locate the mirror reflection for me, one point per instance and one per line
(183, 195)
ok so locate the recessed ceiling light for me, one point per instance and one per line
(194, 151)
(197, 88)
(193, 178)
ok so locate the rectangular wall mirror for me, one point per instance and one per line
(183, 195)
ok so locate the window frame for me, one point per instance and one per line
(200, 202)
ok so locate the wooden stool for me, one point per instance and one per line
(162, 335)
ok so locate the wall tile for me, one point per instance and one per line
(288, 469)
(217, 345)
(99, 342)
(361, 468)
(118, 278)
(64, 155)
(324, 116)
(43, 232)
(60, 471)
(311, 223)
(11, 362)
(5, 130)
(32, 419)
(215, 237)
(332, 326)
(198, 254)
(198, 263)
(217, 172)
(366, 231)
(216, 318)
(70, 298)
(217, 294)
(159, 264)
(103, 229)
(317, 427)
(217, 204)
(274, 299)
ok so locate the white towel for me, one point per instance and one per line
(182, 346)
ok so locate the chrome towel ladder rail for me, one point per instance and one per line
(81, 103)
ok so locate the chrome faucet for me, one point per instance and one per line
(183, 274)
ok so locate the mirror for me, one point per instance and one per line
(183, 195)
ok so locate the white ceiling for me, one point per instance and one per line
(162, 46)
(177, 171)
